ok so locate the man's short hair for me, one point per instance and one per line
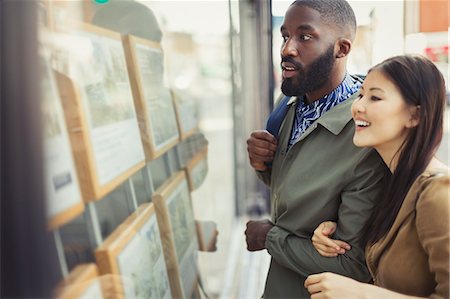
(335, 13)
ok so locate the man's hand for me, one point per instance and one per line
(261, 147)
(256, 234)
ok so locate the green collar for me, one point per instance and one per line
(338, 117)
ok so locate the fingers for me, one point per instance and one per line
(325, 250)
(314, 285)
(332, 251)
(319, 238)
(324, 244)
(256, 234)
(312, 279)
(259, 153)
(314, 288)
(264, 135)
(343, 244)
(329, 247)
(261, 147)
(328, 227)
(249, 235)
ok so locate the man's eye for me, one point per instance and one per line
(305, 37)
(285, 38)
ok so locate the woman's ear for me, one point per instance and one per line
(415, 116)
(343, 46)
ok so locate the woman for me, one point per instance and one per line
(400, 114)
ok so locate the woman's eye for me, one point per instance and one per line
(374, 98)
(360, 96)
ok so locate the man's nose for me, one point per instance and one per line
(289, 48)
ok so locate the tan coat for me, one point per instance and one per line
(413, 258)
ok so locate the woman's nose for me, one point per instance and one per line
(358, 106)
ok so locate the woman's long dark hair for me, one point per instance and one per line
(421, 84)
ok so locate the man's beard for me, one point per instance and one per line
(313, 79)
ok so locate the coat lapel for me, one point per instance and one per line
(408, 207)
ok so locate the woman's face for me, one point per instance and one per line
(382, 117)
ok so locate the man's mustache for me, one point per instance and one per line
(291, 60)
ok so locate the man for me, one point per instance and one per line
(314, 171)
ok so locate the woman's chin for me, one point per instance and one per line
(359, 143)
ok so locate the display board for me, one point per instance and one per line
(186, 112)
(197, 168)
(64, 201)
(178, 234)
(153, 100)
(99, 110)
(134, 251)
(83, 282)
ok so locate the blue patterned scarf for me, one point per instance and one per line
(306, 114)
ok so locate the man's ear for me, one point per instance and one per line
(343, 46)
(415, 116)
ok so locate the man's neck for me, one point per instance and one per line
(330, 85)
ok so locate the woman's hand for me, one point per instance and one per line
(329, 285)
(326, 246)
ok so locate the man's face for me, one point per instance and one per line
(307, 53)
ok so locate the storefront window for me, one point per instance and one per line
(141, 108)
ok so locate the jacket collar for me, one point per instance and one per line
(338, 117)
(335, 119)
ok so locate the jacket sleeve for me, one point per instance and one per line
(299, 255)
(432, 221)
(357, 200)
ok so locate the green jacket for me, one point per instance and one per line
(323, 176)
